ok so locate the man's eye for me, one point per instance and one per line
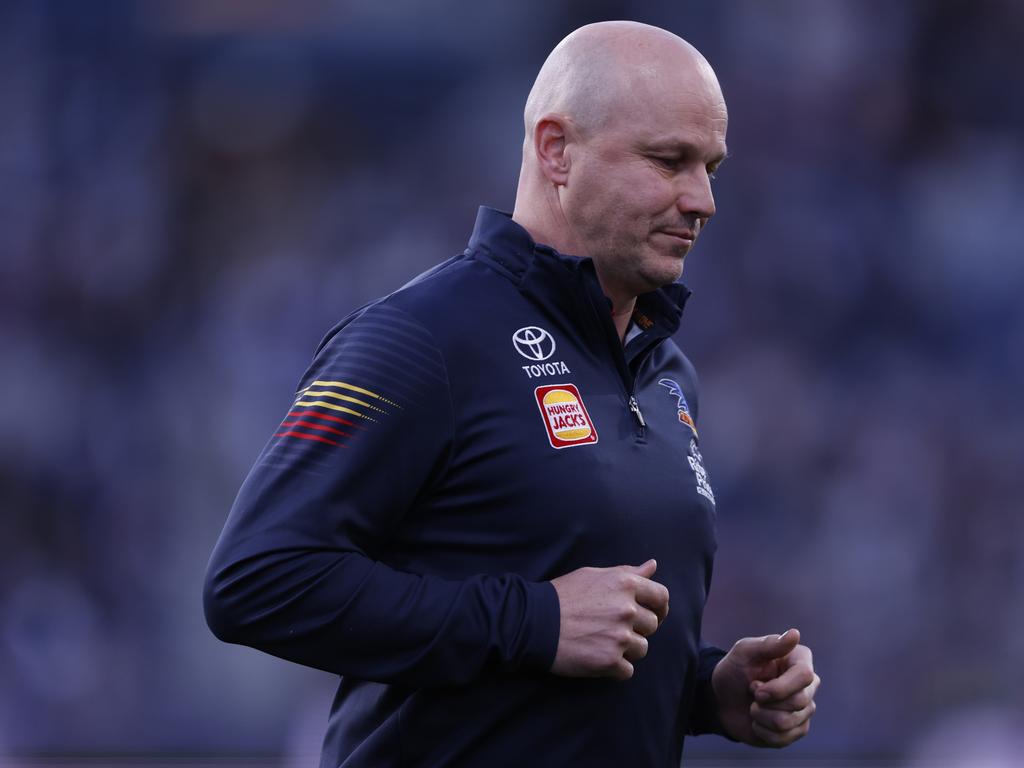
(666, 162)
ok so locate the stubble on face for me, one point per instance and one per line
(646, 264)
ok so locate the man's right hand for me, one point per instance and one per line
(607, 614)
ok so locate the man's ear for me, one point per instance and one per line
(549, 144)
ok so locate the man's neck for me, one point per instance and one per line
(622, 313)
(542, 231)
(524, 216)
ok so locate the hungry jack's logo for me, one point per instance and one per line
(565, 417)
(682, 409)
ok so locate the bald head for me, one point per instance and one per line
(599, 71)
(625, 127)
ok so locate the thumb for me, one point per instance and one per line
(646, 570)
(775, 646)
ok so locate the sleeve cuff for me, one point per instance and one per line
(704, 713)
(541, 626)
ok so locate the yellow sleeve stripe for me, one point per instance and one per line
(334, 407)
(336, 396)
(352, 388)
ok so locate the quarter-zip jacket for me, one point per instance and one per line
(452, 448)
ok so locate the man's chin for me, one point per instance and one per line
(667, 273)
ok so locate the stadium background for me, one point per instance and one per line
(194, 191)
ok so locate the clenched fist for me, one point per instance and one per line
(765, 689)
(607, 614)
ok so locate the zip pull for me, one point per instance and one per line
(634, 406)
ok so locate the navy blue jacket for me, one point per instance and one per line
(452, 448)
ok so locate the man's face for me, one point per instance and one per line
(639, 188)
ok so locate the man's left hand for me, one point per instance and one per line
(765, 690)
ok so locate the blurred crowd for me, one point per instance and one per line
(195, 191)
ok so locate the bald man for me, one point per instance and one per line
(489, 490)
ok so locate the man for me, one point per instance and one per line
(489, 486)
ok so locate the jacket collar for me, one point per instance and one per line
(546, 274)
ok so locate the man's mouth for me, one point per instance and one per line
(686, 236)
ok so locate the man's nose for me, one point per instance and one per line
(694, 197)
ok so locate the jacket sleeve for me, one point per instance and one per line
(704, 713)
(298, 571)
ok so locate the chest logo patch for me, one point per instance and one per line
(534, 343)
(696, 462)
(565, 417)
(682, 409)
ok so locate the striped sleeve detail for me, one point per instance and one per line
(377, 366)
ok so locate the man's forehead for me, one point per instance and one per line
(692, 126)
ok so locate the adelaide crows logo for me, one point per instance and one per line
(681, 407)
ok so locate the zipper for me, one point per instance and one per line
(634, 406)
(598, 303)
(625, 376)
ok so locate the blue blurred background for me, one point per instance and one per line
(194, 191)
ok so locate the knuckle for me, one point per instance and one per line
(643, 645)
(623, 670)
(777, 720)
(611, 661)
(771, 739)
(623, 637)
(650, 625)
(612, 652)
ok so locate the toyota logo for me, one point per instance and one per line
(534, 343)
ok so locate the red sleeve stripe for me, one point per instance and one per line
(326, 417)
(310, 437)
(319, 427)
